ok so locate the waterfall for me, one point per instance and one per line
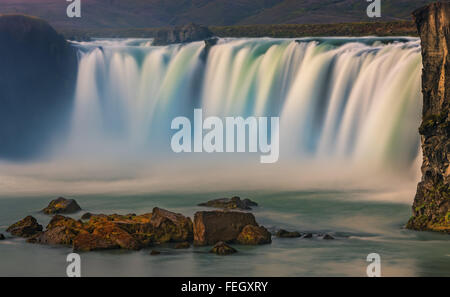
(349, 111)
(345, 104)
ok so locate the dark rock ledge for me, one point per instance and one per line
(230, 203)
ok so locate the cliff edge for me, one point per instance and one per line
(431, 208)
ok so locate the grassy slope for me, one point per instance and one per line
(398, 28)
(159, 13)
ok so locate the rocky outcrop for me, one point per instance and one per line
(431, 209)
(37, 80)
(188, 33)
(131, 232)
(171, 226)
(211, 227)
(287, 234)
(26, 227)
(221, 248)
(62, 205)
(254, 235)
(230, 203)
(60, 230)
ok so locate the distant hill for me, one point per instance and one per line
(160, 13)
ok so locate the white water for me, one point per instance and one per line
(347, 107)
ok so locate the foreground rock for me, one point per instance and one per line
(230, 203)
(211, 227)
(60, 230)
(171, 226)
(286, 234)
(431, 208)
(62, 205)
(26, 227)
(115, 231)
(222, 249)
(37, 80)
(188, 33)
(254, 235)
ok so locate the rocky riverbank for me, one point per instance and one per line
(431, 209)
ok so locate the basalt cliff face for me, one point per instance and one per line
(431, 209)
(37, 78)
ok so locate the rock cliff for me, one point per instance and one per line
(431, 209)
(37, 77)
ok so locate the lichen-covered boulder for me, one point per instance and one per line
(254, 235)
(26, 227)
(170, 226)
(91, 242)
(211, 227)
(62, 205)
(221, 248)
(61, 230)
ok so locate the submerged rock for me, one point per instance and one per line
(286, 234)
(211, 227)
(86, 216)
(155, 252)
(327, 237)
(183, 245)
(62, 205)
(307, 235)
(222, 249)
(26, 227)
(254, 235)
(230, 203)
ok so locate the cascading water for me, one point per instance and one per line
(352, 99)
(349, 113)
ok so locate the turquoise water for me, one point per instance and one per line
(361, 225)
